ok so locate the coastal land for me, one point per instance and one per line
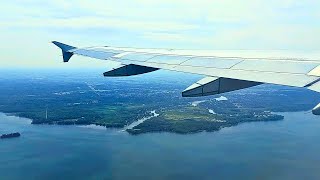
(139, 106)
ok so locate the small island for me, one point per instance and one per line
(11, 135)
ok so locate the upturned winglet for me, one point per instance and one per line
(65, 50)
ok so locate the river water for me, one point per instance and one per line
(287, 149)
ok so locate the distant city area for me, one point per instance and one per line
(140, 104)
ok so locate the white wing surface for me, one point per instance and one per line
(225, 70)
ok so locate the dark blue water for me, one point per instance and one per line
(287, 149)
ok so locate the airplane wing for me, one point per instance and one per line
(224, 71)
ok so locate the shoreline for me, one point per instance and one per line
(132, 131)
(17, 116)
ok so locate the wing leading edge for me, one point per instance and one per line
(225, 71)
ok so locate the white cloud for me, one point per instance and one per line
(97, 22)
(207, 24)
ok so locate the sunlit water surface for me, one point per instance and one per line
(287, 149)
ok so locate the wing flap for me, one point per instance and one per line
(129, 70)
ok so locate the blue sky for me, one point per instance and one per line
(28, 26)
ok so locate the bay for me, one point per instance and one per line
(287, 149)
